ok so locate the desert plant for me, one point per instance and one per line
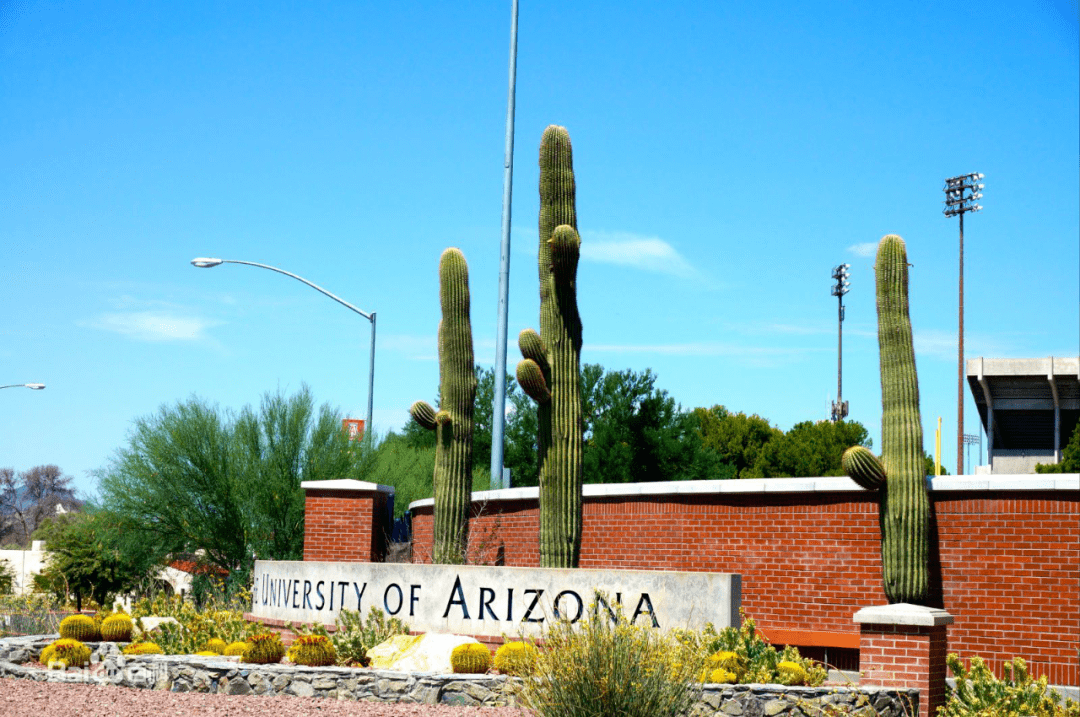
(265, 648)
(313, 651)
(80, 627)
(64, 653)
(216, 645)
(453, 423)
(744, 656)
(470, 658)
(515, 658)
(601, 667)
(900, 475)
(143, 648)
(219, 618)
(235, 648)
(116, 628)
(354, 635)
(979, 693)
(550, 372)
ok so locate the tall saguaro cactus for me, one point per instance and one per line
(900, 475)
(550, 372)
(453, 423)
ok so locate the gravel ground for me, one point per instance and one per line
(39, 699)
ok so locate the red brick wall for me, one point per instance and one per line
(906, 656)
(1009, 560)
(345, 526)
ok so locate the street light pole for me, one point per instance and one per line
(961, 195)
(498, 413)
(842, 286)
(31, 386)
(206, 263)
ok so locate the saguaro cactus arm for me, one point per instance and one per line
(863, 467)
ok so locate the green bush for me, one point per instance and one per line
(603, 666)
(979, 693)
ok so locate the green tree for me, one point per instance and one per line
(7, 578)
(635, 432)
(737, 438)
(29, 497)
(194, 478)
(96, 555)
(1070, 457)
(809, 449)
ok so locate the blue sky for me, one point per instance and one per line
(727, 156)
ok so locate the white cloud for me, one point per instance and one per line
(640, 252)
(865, 249)
(152, 325)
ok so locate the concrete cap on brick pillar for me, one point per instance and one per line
(345, 484)
(903, 614)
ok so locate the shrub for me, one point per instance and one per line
(313, 651)
(515, 658)
(80, 627)
(471, 658)
(64, 653)
(604, 666)
(979, 694)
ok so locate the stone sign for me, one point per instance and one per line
(481, 600)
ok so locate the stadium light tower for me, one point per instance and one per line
(841, 287)
(962, 194)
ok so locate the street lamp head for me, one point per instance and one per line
(35, 386)
(205, 263)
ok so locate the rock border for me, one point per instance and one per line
(223, 675)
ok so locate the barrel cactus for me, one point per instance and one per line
(215, 645)
(116, 628)
(143, 648)
(265, 648)
(235, 649)
(900, 475)
(64, 653)
(313, 651)
(471, 658)
(453, 423)
(515, 658)
(80, 627)
(550, 372)
(791, 673)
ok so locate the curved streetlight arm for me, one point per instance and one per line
(32, 386)
(208, 263)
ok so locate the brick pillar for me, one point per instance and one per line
(903, 646)
(346, 520)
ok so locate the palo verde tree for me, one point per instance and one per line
(453, 423)
(193, 477)
(550, 372)
(899, 476)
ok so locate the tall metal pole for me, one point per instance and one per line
(961, 194)
(960, 365)
(498, 407)
(841, 287)
(369, 436)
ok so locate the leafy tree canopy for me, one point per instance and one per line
(195, 478)
(28, 498)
